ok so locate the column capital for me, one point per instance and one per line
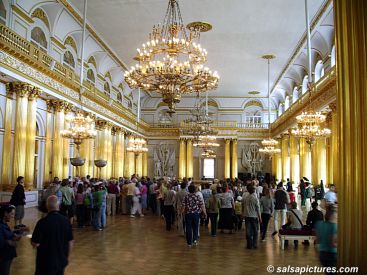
(21, 89)
(116, 129)
(58, 105)
(35, 93)
(9, 90)
(101, 124)
(285, 135)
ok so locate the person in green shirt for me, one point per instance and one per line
(67, 193)
(327, 237)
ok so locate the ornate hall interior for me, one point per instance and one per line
(206, 92)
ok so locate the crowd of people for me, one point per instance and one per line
(222, 205)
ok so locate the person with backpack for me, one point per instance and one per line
(67, 201)
(281, 199)
(294, 217)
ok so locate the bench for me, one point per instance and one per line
(295, 235)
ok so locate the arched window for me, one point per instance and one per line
(304, 84)
(286, 103)
(90, 76)
(295, 95)
(106, 88)
(119, 97)
(2, 13)
(319, 70)
(69, 59)
(332, 57)
(38, 37)
(129, 104)
(281, 109)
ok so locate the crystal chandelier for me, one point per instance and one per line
(136, 145)
(206, 141)
(309, 123)
(81, 128)
(172, 62)
(269, 143)
(309, 126)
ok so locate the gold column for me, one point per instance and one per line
(84, 153)
(139, 165)
(285, 157)
(294, 159)
(351, 63)
(90, 164)
(277, 159)
(66, 146)
(47, 162)
(234, 166)
(227, 158)
(182, 159)
(58, 143)
(334, 162)
(31, 138)
(109, 153)
(145, 164)
(20, 138)
(314, 163)
(321, 160)
(189, 159)
(6, 162)
(126, 160)
(130, 163)
(118, 158)
(304, 159)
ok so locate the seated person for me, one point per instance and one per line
(314, 216)
(294, 217)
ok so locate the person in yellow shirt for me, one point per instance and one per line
(238, 212)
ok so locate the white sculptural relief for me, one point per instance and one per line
(252, 160)
(164, 160)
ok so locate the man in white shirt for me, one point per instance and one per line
(330, 196)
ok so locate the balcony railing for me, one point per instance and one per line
(31, 54)
(216, 124)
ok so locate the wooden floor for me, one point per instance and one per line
(142, 246)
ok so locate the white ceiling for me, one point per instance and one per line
(243, 30)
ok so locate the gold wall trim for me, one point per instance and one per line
(58, 43)
(22, 14)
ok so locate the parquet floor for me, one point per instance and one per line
(142, 246)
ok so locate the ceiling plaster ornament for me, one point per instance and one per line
(172, 62)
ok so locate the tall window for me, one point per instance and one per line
(208, 168)
(106, 88)
(39, 38)
(119, 97)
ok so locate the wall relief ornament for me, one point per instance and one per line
(251, 159)
(164, 160)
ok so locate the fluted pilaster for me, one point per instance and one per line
(22, 91)
(227, 158)
(234, 164)
(189, 159)
(6, 161)
(351, 62)
(182, 159)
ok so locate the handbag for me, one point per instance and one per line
(304, 226)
